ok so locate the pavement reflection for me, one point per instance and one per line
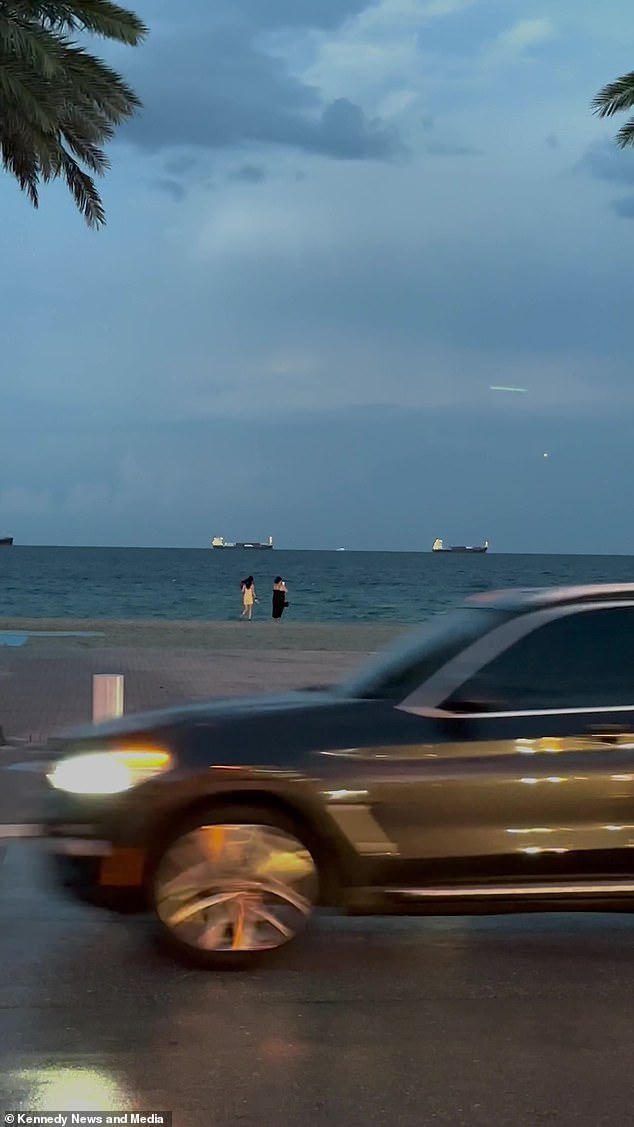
(516, 1021)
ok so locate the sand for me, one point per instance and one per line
(46, 683)
(320, 636)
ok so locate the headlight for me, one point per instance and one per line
(108, 772)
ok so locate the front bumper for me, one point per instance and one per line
(97, 872)
(82, 878)
(91, 853)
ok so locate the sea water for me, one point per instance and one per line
(189, 584)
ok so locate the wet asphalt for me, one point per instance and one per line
(518, 1021)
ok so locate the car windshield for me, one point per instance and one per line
(399, 670)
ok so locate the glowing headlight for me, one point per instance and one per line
(108, 772)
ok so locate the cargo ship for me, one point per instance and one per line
(254, 545)
(6, 541)
(438, 546)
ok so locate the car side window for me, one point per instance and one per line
(579, 660)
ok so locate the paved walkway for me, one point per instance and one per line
(47, 686)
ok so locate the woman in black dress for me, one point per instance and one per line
(279, 597)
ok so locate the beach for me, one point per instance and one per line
(46, 665)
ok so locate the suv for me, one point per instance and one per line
(485, 763)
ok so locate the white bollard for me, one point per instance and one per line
(107, 696)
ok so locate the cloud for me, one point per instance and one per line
(326, 14)
(433, 9)
(605, 161)
(249, 174)
(250, 15)
(229, 88)
(524, 35)
(364, 310)
(345, 132)
(624, 208)
(450, 149)
(376, 56)
(172, 188)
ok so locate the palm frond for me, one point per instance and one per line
(59, 104)
(31, 44)
(83, 191)
(615, 97)
(625, 135)
(28, 91)
(84, 142)
(18, 158)
(97, 17)
(89, 76)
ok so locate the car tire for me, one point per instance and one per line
(232, 884)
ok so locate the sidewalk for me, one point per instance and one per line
(47, 686)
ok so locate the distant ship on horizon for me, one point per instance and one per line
(438, 546)
(6, 541)
(254, 545)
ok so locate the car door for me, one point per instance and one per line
(528, 771)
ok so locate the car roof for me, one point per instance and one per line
(524, 599)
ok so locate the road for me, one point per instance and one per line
(521, 1021)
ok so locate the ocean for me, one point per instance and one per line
(189, 584)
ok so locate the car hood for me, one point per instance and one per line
(213, 712)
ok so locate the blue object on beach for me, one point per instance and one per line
(7, 638)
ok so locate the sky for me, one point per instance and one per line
(334, 226)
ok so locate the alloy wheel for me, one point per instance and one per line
(235, 888)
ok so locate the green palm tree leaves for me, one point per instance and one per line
(618, 97)
(59, 104)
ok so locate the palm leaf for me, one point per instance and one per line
(625, 135)
(18, 157)
(615, 97)
(92, 78)
(59, 104)
(98, 17)
(23, 91)
(83, 191)
(31, 44)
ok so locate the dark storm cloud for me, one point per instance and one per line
(258, 15)
(171, 188)
(344, 131)
(249, 174)
(605, 161)
(225, 89)
(326, 14)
